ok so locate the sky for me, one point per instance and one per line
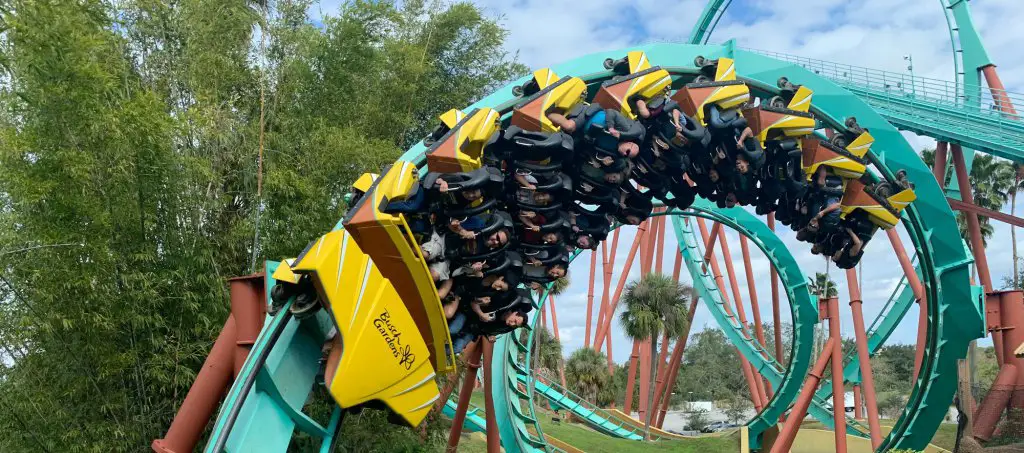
(872, 33)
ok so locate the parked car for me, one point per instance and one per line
(718, 426)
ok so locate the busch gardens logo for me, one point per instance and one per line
(393, 337)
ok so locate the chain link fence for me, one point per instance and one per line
(998, 421)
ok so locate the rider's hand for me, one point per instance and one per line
(442, 185)
(614, 132)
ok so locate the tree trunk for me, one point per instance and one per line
(1013, 230)
(651, 385)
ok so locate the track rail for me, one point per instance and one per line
(954, 317)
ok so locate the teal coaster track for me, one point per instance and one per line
(263, 408)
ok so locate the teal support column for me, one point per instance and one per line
(707, 21)
(970, 56)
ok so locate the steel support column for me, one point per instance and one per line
(864, 356)
(472, 355)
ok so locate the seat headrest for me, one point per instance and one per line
(485, 206)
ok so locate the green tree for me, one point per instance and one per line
(559, 286)
(149, 150)
(615, 392)
(710, 368)
(890, 404)
(787, 336)
(549, 350)
(655, 305)
(822, 285)
(736, 407)
(697, 420)
(586, 373)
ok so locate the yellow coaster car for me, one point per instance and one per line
(643, 81)
(359, 188)
(459, 149)
(390, 244)
(379, 353)
(847, 162)
(882, 211)
(779, 121)
(546, 94)
(634, 61)
(724, 91)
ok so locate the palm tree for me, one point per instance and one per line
(822, 285)
(993, 181)
(654, 305)
(559, 286)
(548, 352)
(587, 373)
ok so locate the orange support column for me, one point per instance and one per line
(659, 244)
(973, 226)
(634, 359)
(608, 349)
(994, 404)
(1011, 307)
(787, 435)
(867, 377)
(590, 296)
(752, 289)
(554, 326)
(995, 85)
(647, 250)
(838, 393)
(709, 247)
(858, 406)
(472, 355)
(645, 378)
(919, 295)
(202, 398)
(755, 308)
(994, 325)
(609, 311)
(646, 263)
(941, 162)
(493, 439)
(738, 299)
(674, 364)
(249, 308)
(748, 374)
(776, 312)
(606, 269)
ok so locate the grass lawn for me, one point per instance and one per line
(477, 399)
(586, 439)
(473, 444)
(944, 438)
(590, 441)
